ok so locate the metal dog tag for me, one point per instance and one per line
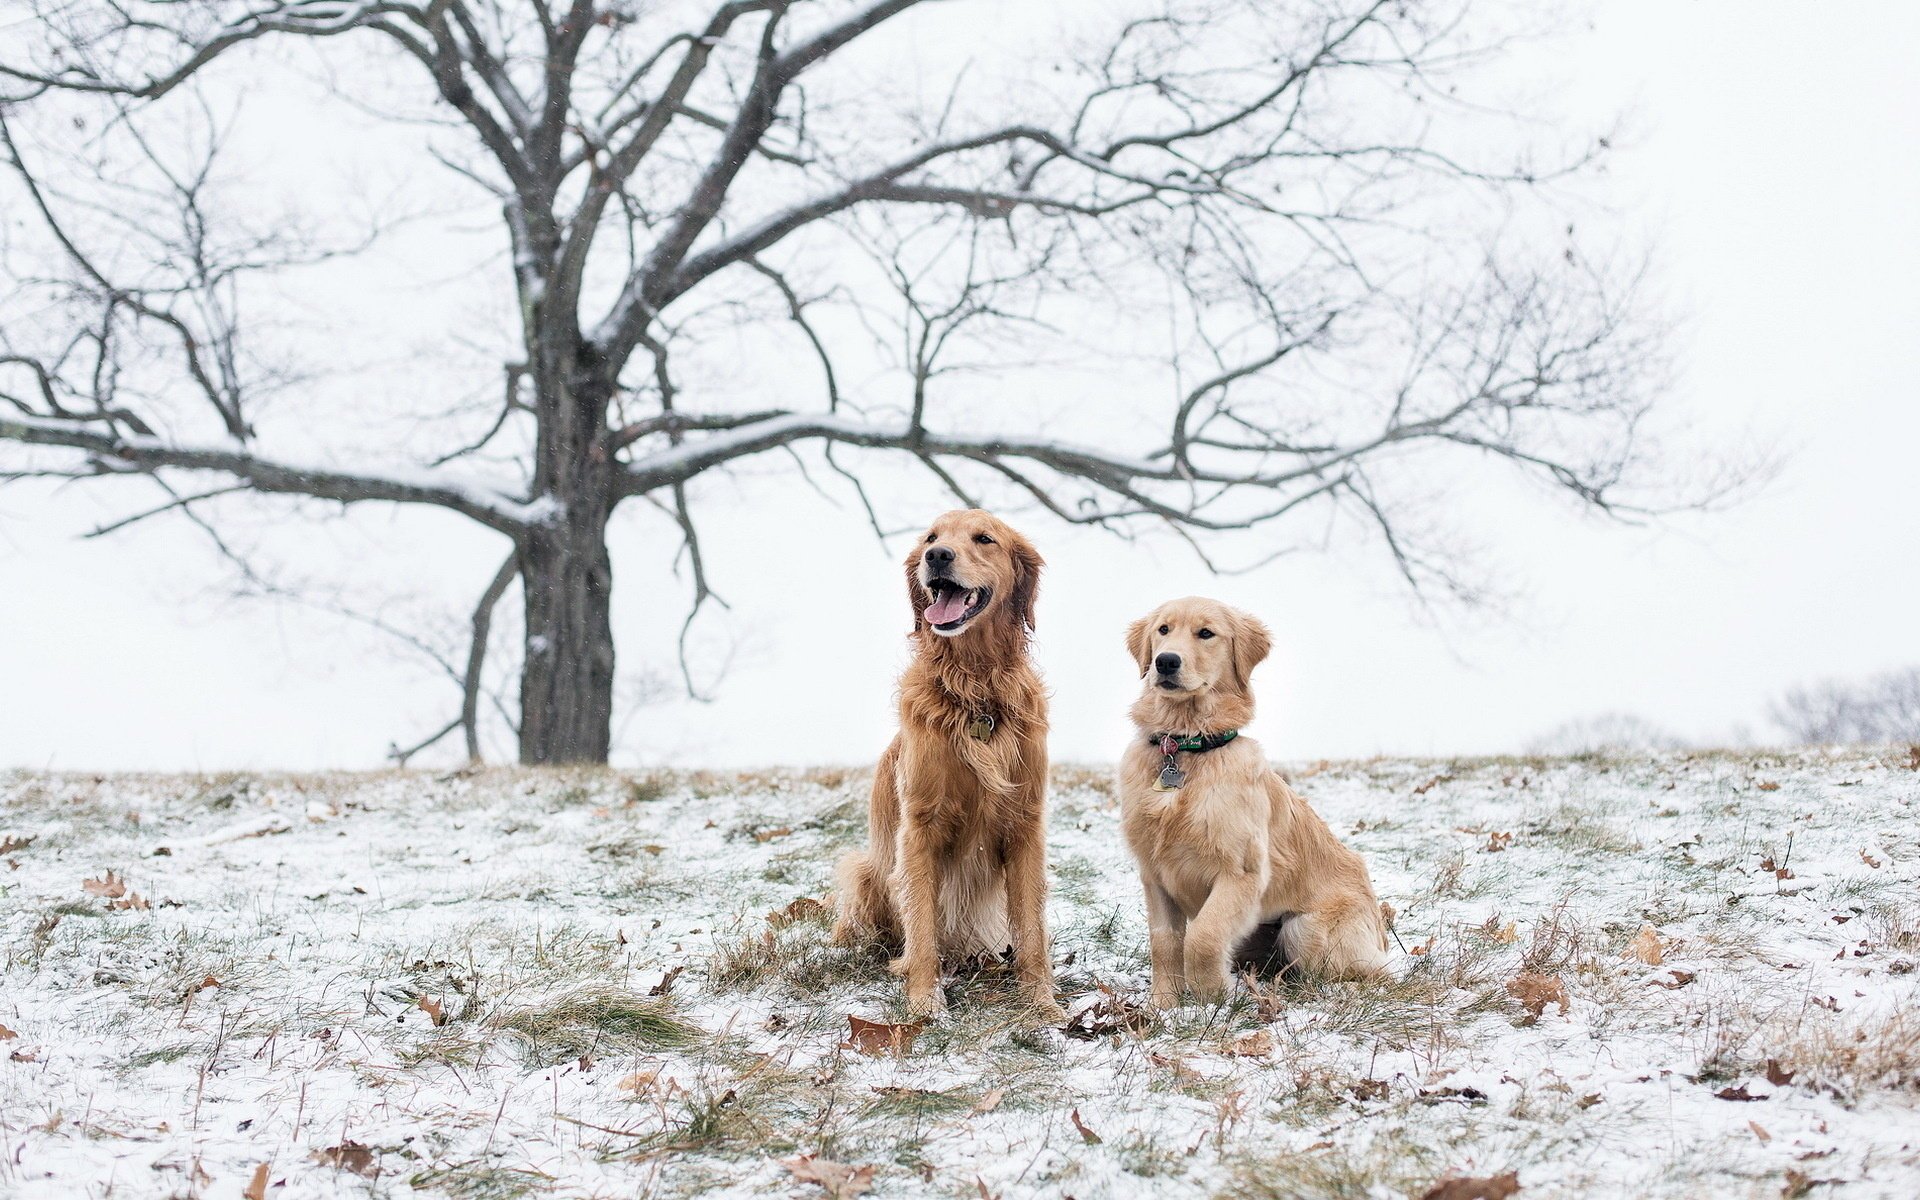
(980, 728)
(1171, 778)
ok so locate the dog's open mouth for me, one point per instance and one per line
(953, 606)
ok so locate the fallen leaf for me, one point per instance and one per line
(878, 1038)
(1646, 947)
(257, 1189)
(1535, 991)
(767, 835)
(1739, 1092)
(7, 1035)
(839, 1179)
(1422, 948)
(24, 1056)
(1086, 1135)
(1108, 1012)
(112, 887)
(1387, 914)
(1507, 934)
(1257, 1044)
(666, 981)
(435, 1012)
(1870, 860)
(1589, 1100)
(1430, 784)
(1496, 842)
(639, 1083)
(1760, 1132)
(799, 910)
(134, 901)
(654, 848)
(1679, 979)
(989, 1102)
(348, 1156)
(1777, 1075)
(1181, 1071)
(1769, 786)
(1370, 1089)
(9, 844)
(1493, 1187)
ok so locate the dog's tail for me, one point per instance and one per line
(864, 909)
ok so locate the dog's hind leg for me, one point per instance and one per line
(1341, 940)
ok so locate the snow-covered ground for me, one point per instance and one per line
(604, 984)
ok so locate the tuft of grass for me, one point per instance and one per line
(482, 1181)
(597, 1021)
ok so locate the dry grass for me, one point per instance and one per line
(595, 1022)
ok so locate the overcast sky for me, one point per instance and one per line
(1773, 167)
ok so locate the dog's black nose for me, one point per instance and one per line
(940, 556)
(1167, 664)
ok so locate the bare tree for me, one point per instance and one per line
(1213, 266)
(1873, 711)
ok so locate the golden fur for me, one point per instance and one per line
(1234, 848)
(956, 863)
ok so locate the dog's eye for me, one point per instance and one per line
(1204, 634)
(932, 538)
(1164, 631)
(983, 539)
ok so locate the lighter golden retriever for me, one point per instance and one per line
(1233, 862)
(956, 863)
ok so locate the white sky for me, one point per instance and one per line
(1773, 165)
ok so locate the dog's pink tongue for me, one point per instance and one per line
(950, 607)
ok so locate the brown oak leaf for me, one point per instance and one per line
(1257, 1044)
(112, 887)
(1087, 1135)
(435, 1012)
(257, 1187)
(839, 1179)
(9, 844)
(1492, 1187)
(800, 910)
(877, 1039)
(1535, 991)
(349, 1156)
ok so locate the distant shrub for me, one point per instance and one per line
(1882, 708)
(1605, 732)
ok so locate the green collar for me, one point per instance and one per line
(1167, 743)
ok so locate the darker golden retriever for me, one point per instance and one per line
(956, 863)
(1233, 862)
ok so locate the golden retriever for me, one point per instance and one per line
(1234, 863)
(956, 863)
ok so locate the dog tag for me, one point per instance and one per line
(980, 728)
(1171, 778)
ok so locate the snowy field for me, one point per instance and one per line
(1675, 976)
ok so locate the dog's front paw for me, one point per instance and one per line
(1208, 986)
(1164, 995)
(926, 1005)
(1046, 1008)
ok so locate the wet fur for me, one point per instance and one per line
(1234, 864)
(956, 862)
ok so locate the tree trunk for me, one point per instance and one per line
(566, 681)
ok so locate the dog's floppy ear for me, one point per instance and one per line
(1026, 581)
(1137, 643)
(916, 595)
(1251, 644)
